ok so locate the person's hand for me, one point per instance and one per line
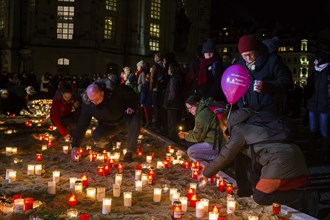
(67, 137)
(259, 86)
(202, 180)
(181, 134)
(129, 111)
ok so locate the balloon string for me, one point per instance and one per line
(229, 113)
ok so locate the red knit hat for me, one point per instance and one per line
(247, 43)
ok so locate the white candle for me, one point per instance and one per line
(100, 193)
(206, 205)
(12, 176)
(118, 144)
(231, 205)
(213, 216)
(157, 194)
(115, 190)
(14, 150)
(52, 188)
(184, 203)
(138, 185)
(7, 173)
(148, 158)
(253, 217)
(144, 178)
(116, 157)
(30, 169)
(128, 199)
(171, 151)
(9, 151)
(106, 206)
(56, 176)
(118, 178)
(175, 196)
(38, 169)
(72, 182)
(138, 174)
(172, 190)
(19, 205)
(44, 147)
(193, 185)
(160, 164)
(65, 149)
(90, 192)
(199, 209)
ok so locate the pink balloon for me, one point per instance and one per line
(235, 82)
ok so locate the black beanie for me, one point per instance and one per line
(209, 46)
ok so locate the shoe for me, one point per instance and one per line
(128, 157)
(74, 155)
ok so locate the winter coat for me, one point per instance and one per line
(276, 77)
(319, 91)
(206, 124)
(277, 160)
(61, 108)
(173, 97)
(111, 111)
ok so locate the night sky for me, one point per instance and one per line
(314, 16)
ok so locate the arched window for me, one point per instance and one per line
(63, 62)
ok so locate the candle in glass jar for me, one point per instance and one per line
(186, 164)
(9, 151)
(56, 176)
(213, 216)
(165, 164)
(19, 205)
(199, 209)
(12, 176)
(120, 168)
(38, 157)
(159, 164)
(115, 190)
(100, 171)
(193, 185)
(100, 193)
(106, 206)
(65, 149)
(106, 169)
(72, 200)
(14, 150)
(118, 178)
(172, 191)
(148, 158)
(190, 192)
(175, 196)
(44, 147)
(184, 203)
(229, 188)
(157, 194)
(38, 169)
(231, 205)
(81, 151)
(28, 204)
(78, 187)
(30, 169)
(253, 217)
(72, 181)
(127, 199)
(84, 216)
(144, 178)
(194, 173)
(138, 185)
(276, 208)
(206, 204)
(118, 144)
(84, 180)
(52, 188)
(138, 174)
(193, 200)
(222, 184)
(90, 192)
(177, 210)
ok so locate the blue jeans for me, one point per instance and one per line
(319, 122)
(202, 152)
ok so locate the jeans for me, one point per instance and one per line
(319, 122)
(202, 152)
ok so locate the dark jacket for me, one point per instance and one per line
(111, 111)
(173, 97)
(277, 79)
(318, 91)
(278, 160)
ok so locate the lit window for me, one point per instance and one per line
(154, 45)
(111, 5)
(108, 28)
(63, 62)
(154, 30)
(304, 43)
(66, 0)
(65, 17)
(155, 9)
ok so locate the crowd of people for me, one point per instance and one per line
(255, 133)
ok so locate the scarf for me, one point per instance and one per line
(203, 68)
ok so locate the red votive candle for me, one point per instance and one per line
(28, 204)
(194, 173)
(105, 158)
(38, 157)
(229, 188)
(93, 156)
(111, 162)
(81, 151)
(84, 180)
(190, 192)
(72, 200)
(193, 200)
(84, 216)
(50, 143)
(138, 167)
(165, 163)
(139, 153)
(120, 168)
(215, 209)
(106, 169)
(100, 171)
(222, 184)
(186, 164)
(276, 208)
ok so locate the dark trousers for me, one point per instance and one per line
(156, 102)
(131, 123)
(173, 118)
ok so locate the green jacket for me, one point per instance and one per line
(206, 123)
